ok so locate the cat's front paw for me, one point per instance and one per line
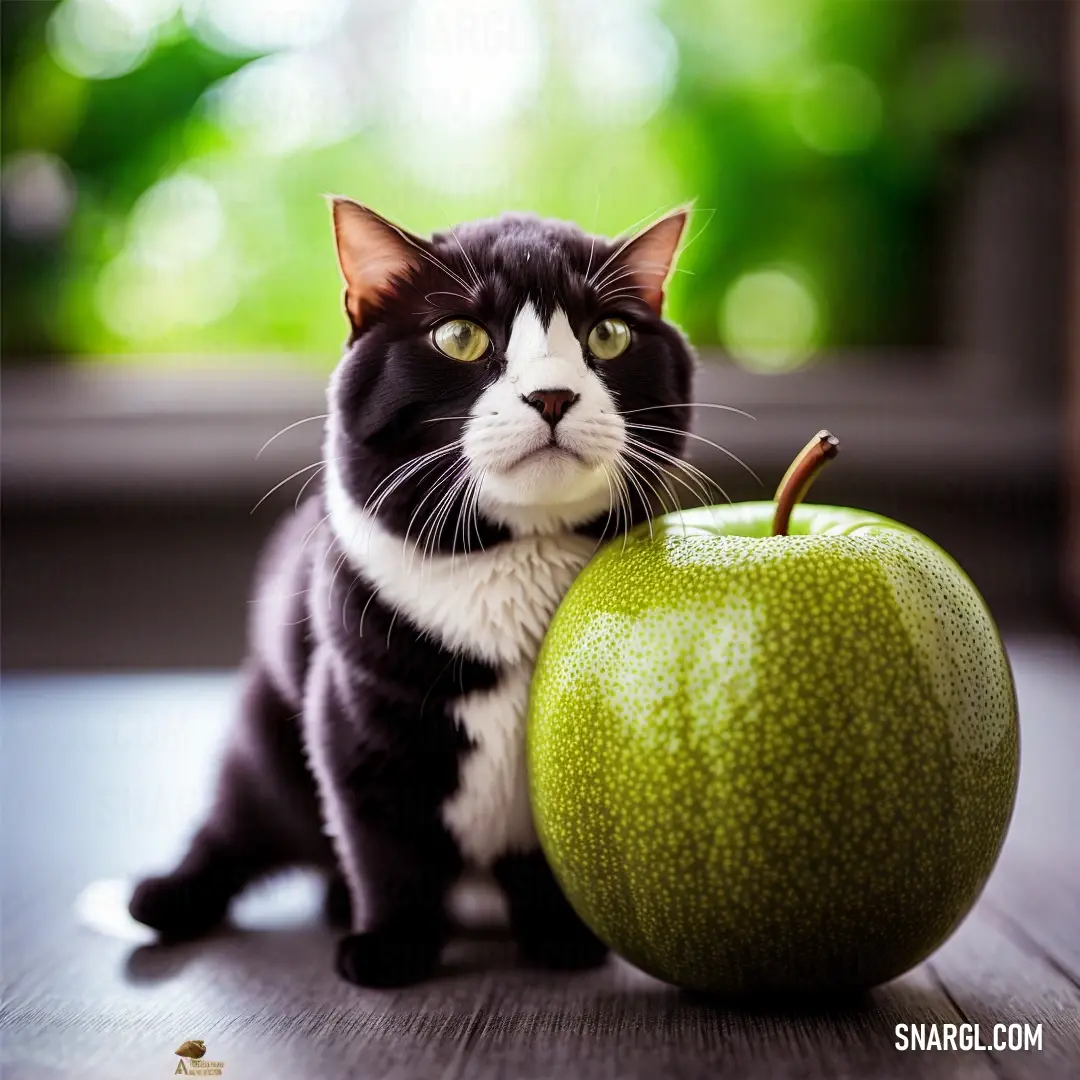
(179, 907)
(388, 957)
(564, 946)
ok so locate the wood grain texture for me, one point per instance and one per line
(102, 777)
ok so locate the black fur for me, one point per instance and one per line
(375, 709)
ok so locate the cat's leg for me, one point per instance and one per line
(337, 904)
(263, 812)
(407, 873)
(382, 788)
(548, 929)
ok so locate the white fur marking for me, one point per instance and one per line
(504, 429)
(489, 814)
(493, 605)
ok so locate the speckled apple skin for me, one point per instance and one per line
(773, 764)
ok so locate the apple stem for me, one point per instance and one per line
(802, 472)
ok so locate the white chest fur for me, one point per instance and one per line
(494, 606)
(489, 814)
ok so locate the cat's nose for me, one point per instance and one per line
(551, 404)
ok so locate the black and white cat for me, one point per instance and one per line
(483, 436)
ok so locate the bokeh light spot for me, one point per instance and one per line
(470, 64)
(770, 320)
(623, 60)
(102, 39)
(468, 69)
(143, 303)
(752, 39)
(253, 26)
(38, 194)
(837, 110)
(176, 221)
(288, 102)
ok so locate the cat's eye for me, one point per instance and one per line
(609, 338)
(461, 339)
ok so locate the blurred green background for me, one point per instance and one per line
(163, 160)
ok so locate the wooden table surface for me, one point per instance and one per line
(103, 776)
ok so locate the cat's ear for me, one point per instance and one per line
(373, 253)
(649, 256)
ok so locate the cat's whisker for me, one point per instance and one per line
(592, 250)
(633, 235)
(697, 489)
(451, 474)
(303, 486)
(468, 261)
(611, 505)
(460, 519)
(439, 264)
(411, 468)
(405, 470)
(289, 427)
(630, 238)
(333, 578)
(691, 470)
(631, 475)
(446, 668)
(313, 530)
(621, 273)
(468, 519)
(625, 504)
(345, 603)
(439, 516)
(278, 596)
(624, 498)
(431, 455)
(592, 233)
(345, 545)
(377, 506)
(476, 508)
(445, 292)
(457, 495)
(471, 524)
(393, 478)
(699, 438)
(709, 213)
(282, 483)
(634, 456)
(655, 471)
(665, 455)
(374, 593)
(436, 419)
(459, 526)
(321, 561)
(628, 293)
(432, 488)
(690, 405)
(653, 269)
(645, 480)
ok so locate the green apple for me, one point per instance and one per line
(773, 748)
